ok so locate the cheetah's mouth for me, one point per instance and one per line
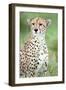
(36, 33)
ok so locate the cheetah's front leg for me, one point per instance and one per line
(45, 66)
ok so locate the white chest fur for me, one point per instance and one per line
(42, 54)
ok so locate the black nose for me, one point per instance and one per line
(35, 30)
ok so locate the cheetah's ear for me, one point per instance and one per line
(48, 22)
(29, 21)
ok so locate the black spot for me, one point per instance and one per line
(44, 44)
(21, 50)
(32, 48)
(45, 64)
(21, 58)
(39, 49)
(30, 67)
(30, 55)
(20, 74)
(41, 53)
(35, 41)
(20, 55)
(37, 62)
(33, 73)
(31, 59)
(37, 45)
(23, 63)
(39, 59)
(35, 66)
(33, 55)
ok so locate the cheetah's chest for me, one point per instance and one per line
(34, 56)
(41, 50)
(42, 54)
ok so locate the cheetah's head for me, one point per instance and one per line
(39, 25)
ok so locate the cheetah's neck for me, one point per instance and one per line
(40, 38)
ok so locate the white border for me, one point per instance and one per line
(17, 29)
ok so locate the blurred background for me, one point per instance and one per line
(51, 37)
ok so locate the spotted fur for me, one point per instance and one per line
(34, 54)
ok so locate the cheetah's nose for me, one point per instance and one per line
(35, 30)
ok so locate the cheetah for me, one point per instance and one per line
(34, 54)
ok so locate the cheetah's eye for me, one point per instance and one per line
(33, 23)
(40, 24)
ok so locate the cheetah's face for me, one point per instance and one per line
(39, 25)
